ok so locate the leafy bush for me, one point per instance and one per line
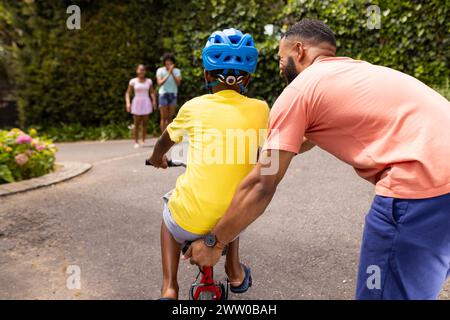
(413, 36)
(24, 156)
(444, 90)
(80, 76)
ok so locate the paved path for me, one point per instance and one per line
(107, 223)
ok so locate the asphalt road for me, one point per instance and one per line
(107, 223)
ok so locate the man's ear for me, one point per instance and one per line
(300, 51)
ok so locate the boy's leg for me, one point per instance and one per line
(170, 253)
(233, 267)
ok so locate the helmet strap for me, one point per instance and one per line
(242, 88)
(210, 85)
(229, 80)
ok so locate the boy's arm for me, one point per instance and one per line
(173, 134)
(158, 159)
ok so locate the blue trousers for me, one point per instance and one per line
(405, 251)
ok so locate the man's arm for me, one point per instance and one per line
(306, 145)
(249, 202)
(164, 143)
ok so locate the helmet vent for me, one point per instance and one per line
(230, 49)
(218, 39)
(234, 39)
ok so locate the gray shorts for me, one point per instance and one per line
(179, 234)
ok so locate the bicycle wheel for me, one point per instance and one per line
(191, 293)
(224, 291)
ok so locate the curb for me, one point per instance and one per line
(68, 171)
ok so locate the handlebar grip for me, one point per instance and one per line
(185, 246)
(170, 163)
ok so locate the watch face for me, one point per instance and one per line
(210, 240)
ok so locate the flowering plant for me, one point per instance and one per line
(24, 155)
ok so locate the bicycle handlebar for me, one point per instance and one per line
(185, 246)
(170, 163)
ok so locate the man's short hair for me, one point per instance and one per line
(168, 56)
(311, 30)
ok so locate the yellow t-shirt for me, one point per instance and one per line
(225, 130)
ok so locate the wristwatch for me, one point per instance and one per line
(211, 241)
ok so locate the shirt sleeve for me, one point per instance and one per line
(177, 73)
(131, 83)
(180, 125)
(159, 73)
(288, 122)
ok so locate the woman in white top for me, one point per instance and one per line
(141, 106)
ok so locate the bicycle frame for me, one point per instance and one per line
(207, 284)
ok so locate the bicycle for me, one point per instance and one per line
(204, 287)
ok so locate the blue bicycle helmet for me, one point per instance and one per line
(230, 49)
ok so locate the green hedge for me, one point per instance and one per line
(414, 36)
(80, 76)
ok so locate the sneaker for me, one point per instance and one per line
(136, 145)
(142, 144)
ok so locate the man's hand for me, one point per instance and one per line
(171, 67)
(159, 162)
(202, 255)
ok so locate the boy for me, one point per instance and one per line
(216, 163)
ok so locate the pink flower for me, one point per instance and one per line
(23, 139)
(21, 159)
(40, 147)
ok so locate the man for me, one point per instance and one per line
(394, 131)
